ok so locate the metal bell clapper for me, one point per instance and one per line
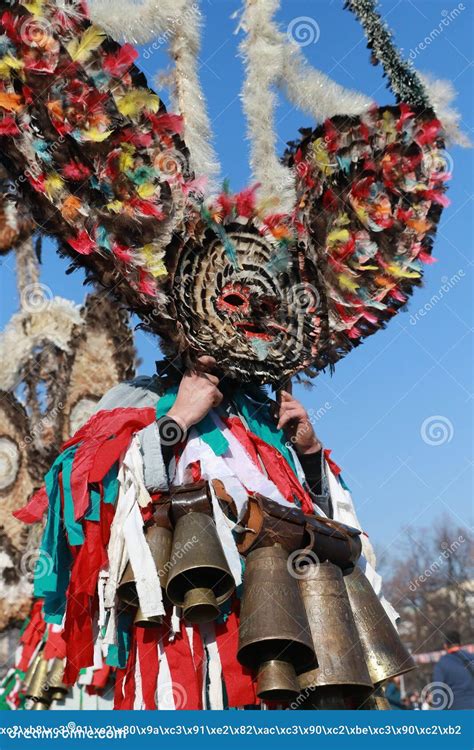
(274, 635)
(199, 579)
(385, 654)
(341, 672)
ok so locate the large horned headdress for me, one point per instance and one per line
(277, 279)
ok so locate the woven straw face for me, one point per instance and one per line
(247, 306)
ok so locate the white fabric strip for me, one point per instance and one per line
(214, 667)
(138, 704)
(165, 693)
(224, 528)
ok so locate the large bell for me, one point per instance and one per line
(274, 634)
(56, 688)
(341, 669)
(159, 540)
(385, 654)
(199, 579)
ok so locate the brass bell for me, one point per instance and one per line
(376, 702)
(385, 654)
(141, 621)
(29, 673)
(159, 539)
(39, 705)
(199, 578)
(341, 661)
(38, 687)
(274, 634)
(56, 688)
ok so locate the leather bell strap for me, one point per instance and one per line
(267, 523)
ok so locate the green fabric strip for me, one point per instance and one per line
(110, 486)
(117, 655)
(74, 530)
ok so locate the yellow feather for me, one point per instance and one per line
(126, 160)
(115, 206)
(146, 191)
(7, 64)
(154, 261)
(80, 49)
(346, 283)
(400, 272)
(53, 184)
(135, 101)
(34, 6)
(338, 235)
(96, 135)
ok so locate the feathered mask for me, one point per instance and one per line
(90, 156)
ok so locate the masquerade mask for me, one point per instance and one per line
(98, 163)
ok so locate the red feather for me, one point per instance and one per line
(118, 64)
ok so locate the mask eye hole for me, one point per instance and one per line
(234, 300)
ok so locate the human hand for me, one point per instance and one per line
(197, 394)
(294, 420)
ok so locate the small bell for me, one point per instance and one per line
(199, 579)
(385, 654)
(159, 539)
(274, 635)
(141, 621)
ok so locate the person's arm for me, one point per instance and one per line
(294, 419)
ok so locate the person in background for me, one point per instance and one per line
(415, 701)
(456, 670)
(393, 694)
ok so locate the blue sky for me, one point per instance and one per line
(397, 413)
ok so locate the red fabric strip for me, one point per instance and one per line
(115, 426)
(147, 645)
(55, 647)
(239, 682)
(35, 508)
(129, 682)
(277, 468)
(186, 682)
(32, 635)
(118, 691)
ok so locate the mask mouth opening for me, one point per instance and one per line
(261, 330)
